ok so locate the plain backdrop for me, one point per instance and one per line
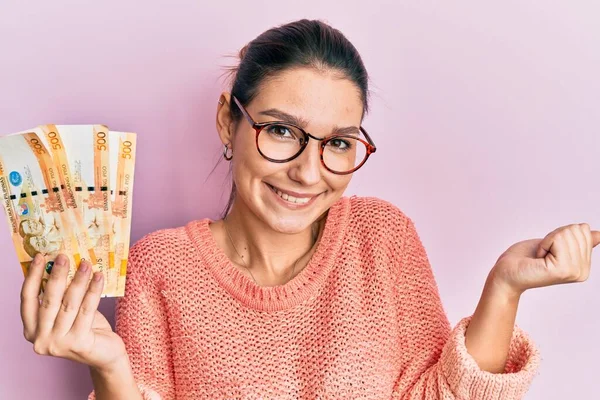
(485, 115)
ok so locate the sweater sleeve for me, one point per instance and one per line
(437, 364)
(141, 321)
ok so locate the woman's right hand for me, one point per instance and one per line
(67, 323)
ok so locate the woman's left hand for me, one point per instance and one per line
(563, 256)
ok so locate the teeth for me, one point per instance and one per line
(291, 199)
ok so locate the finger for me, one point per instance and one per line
(89, 305)
(582, 263)
(30, 291)
(72, 299)
(589, 246)
(587, 232)
(566, 248)
(53, 295)
(546, 243)
(595, 238)
(581, 251)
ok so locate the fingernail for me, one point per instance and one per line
(37, 260)
(97, 276)
(84, 267)
(60, 260)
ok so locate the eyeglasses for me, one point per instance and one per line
(281, 142)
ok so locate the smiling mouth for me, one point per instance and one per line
(289, 198)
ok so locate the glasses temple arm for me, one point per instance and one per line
(368, 138)
(243, 110)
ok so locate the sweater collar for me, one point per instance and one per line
(274, 298)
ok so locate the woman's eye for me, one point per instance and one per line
(279, 130)
(339, 144)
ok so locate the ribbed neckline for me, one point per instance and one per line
(274, 298)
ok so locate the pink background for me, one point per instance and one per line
(486, 117)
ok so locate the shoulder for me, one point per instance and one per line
(159, 243)
(155, 251)
(373, 214)
(382, 224)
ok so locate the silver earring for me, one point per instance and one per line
(220, 102)
(225, 156)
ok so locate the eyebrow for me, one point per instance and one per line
(285, 117)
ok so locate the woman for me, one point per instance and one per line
(298, 292)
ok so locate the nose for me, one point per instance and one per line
(306, 168)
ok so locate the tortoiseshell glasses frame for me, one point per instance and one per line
(258, 127)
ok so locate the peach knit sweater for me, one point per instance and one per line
(363, 320)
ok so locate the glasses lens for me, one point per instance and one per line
(344, 153)
(280, 141)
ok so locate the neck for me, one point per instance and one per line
(268, 254)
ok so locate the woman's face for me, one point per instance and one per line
(324, 102)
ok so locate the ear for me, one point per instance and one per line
(225, 125)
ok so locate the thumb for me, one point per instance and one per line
(595, 238)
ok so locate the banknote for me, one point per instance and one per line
(32, 198)
(53, 142)
(68, 189)
(87, 185)
(123, 158)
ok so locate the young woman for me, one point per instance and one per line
(299, 291)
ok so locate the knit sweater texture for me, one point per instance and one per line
(363, 320)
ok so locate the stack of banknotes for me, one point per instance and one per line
(68, 189)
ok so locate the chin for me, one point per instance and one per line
(288, 223)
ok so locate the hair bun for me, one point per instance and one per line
(243, 51)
